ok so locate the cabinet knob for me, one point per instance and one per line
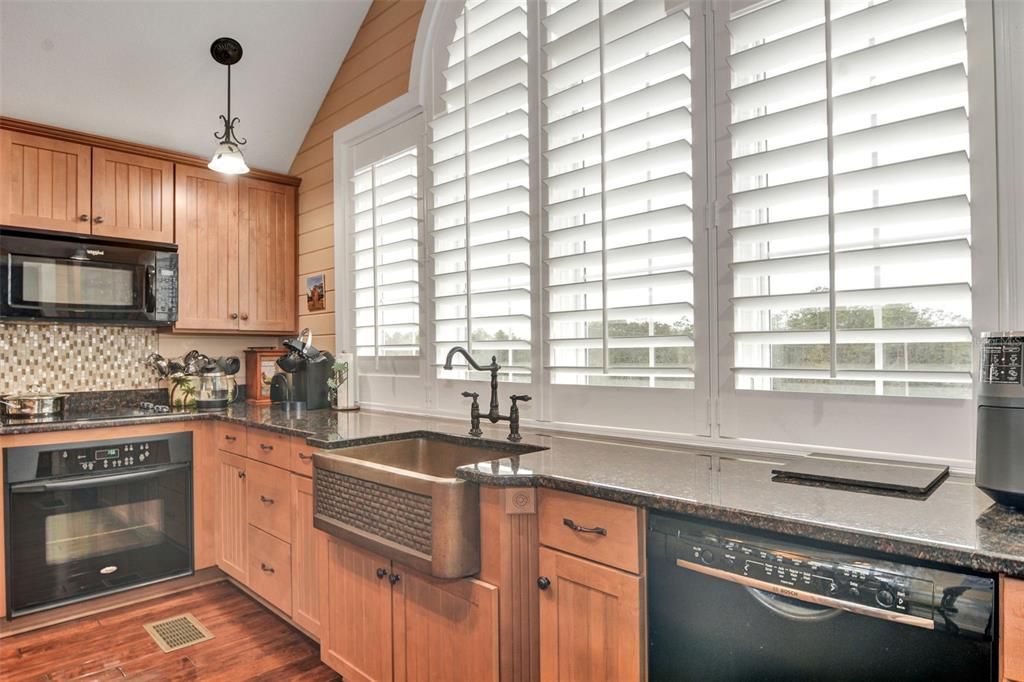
(241, 474)
(234, 316)
(98, 219)
(245, 316)
(382, 573)
(394, 578)
(543, 582)
(84, 217)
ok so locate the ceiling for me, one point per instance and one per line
(142, 71)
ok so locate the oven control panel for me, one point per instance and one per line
(64, 461)
(855, 582)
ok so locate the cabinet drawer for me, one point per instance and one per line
(269, 447)
(606, 532)
(301, 461)
(229, 437)
(270, 569)
(268, 498)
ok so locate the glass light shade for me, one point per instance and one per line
(228, 159)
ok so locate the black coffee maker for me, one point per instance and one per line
(302, 381)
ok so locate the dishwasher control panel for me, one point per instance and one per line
(854, 582)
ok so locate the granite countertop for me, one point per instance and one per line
(956, 525)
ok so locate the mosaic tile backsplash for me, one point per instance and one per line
(72, 357)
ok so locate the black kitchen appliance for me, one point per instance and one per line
(302, 381)
(90, 518)
(69, 278)
(1000, 439)
(736, 604)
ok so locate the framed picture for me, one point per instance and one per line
(316, 293)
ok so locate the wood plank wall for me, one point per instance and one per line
(374, 72)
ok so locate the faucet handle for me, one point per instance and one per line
(520, 398)
(470, 394)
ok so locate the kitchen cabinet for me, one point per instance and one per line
(46, 183)
(356, 630)
(1011, 642)
(236, 253)
(309, 553)
(267, 298)
(132, 196)
(591, 620)
(383, 621)
(268, 496)
(270, 569)
(232, 516)
(206, 220)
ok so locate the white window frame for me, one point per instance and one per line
(927, 430)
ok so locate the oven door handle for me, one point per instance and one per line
(809, 597)
(97, 481)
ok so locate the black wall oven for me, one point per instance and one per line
(81, 279)
(84, 519)
(736, 604)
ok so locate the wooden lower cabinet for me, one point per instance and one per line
(232, 517)
(270, 569)
(1011, 633)
(355, 632)
(591, 621)
(309, 553)
(383, 621)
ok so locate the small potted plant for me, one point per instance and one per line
(339, 392)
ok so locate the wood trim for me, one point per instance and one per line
(33, 128)
(63, 614)
(1011, 629)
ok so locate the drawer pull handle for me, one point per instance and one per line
(266, 569)
(597, 530)
(231, 438)
(305, 458)
(265, 446)
(382, 573)
(266, 500)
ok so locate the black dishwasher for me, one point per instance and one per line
(729, 603)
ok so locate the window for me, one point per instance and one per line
(619, 204)
(480, 197)
(851, 221)
(386, 256)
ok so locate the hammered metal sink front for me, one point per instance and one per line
(400, 498)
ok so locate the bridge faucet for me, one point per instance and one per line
(494, 413)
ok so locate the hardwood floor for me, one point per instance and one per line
(249, 643)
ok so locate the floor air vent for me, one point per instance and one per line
(178, 632)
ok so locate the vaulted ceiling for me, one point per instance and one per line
(141, 70)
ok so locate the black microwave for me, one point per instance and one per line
(66, 278)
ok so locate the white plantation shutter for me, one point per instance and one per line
(480, 199)
(386, 256)
(851, 229)
(619, 230)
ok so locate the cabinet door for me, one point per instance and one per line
(132, 196)
(309, 552)
(447, 629)
(1012, 630)
(232, 519)
(45, 183)
(267, 300)
(206, 231)
(355, 631)
(591, 621)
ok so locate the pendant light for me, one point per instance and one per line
(227, 158)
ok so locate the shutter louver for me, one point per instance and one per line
(386, 257)
(851, 228)
(480, 197)
(619, 205)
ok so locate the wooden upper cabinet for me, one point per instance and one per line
(355, 628)
(206, 217)
(132, 196)
(591, 621)
(46, 183)
(267, 298)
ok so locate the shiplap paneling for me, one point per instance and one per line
(375, 71)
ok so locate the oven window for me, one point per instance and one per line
(46, 281)
(94, 532)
